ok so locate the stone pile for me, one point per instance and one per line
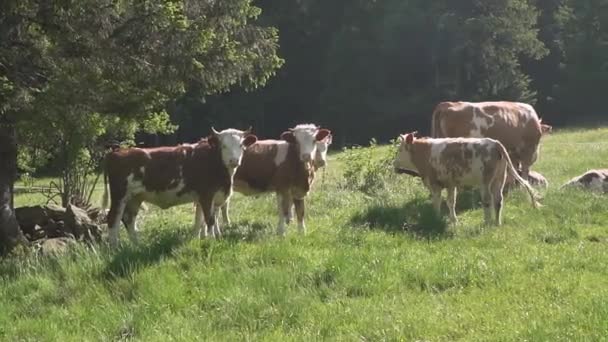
(51, 221)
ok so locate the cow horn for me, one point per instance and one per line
(214, 131)
(248, 130)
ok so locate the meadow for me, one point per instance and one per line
(376, 264)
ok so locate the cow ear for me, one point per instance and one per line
(249, 140)
(322, 133)
(213, 140)
(288, 136)
(409, 138)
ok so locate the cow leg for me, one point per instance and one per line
(498, 202)
(436, 195)
(129, 218)
(216, 224)
(283, 206)
(486, 203)
(225, 217)
(117, 209)
(209, 217)
(452, 204)
(198, 222)
(300, 211)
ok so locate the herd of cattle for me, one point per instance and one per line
(489, 145)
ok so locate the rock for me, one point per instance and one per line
(29, 217)
(56, 246)
(55, 212)
(78, 223)
(52, 229)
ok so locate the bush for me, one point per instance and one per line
(368, 169)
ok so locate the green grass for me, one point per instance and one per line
(373, 267)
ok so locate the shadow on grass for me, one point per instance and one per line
(131, 258)
(416, 217)
(244, 231)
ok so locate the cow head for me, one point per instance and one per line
(321, 155)
(404, 160)
(232, 143)
(306, 136)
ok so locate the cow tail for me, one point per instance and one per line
(105, 200)
(436, 123)
(513, 173)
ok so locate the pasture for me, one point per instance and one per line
(376, 265)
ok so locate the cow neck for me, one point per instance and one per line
(223, 172)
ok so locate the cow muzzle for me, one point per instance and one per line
(234, 163)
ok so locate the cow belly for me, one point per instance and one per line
(243, 187)
(167, 199)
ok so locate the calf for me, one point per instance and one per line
(319, 161)
(593, 180)
(285, 167)
(169, 176)
(452, 162)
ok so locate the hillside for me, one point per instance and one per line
(375, 265)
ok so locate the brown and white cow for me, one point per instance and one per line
(169, 176)
(453, 162)
(516, 125)
(284, 167)
(593, 180)
(319, 161)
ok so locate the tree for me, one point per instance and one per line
(73, 67)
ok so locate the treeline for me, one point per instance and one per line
(373, 68)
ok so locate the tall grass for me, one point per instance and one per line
(376, 265)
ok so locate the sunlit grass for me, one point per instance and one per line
(379, 267)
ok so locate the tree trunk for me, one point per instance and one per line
(9, 228)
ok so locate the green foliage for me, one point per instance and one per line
(368, 169)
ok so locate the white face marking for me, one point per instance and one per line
(306, 137)
(404, 158)
(321, 155)
(282, 149)
(231, 145)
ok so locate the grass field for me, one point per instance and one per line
(374, 266)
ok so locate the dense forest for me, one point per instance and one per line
(374, 68)
(76, 75)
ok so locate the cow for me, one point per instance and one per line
(319, 161)
(173, 175)
(284, 167)
(453, 162)
(516, 125)
(593, 180)
(546, 129)
(535, 179)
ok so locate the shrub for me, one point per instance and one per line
(368, 169)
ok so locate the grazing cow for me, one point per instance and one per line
(169, 176)
(534, 178)
(516, 125)
(594, 180)
(318, 162)
(284, 167)
(452, 162)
